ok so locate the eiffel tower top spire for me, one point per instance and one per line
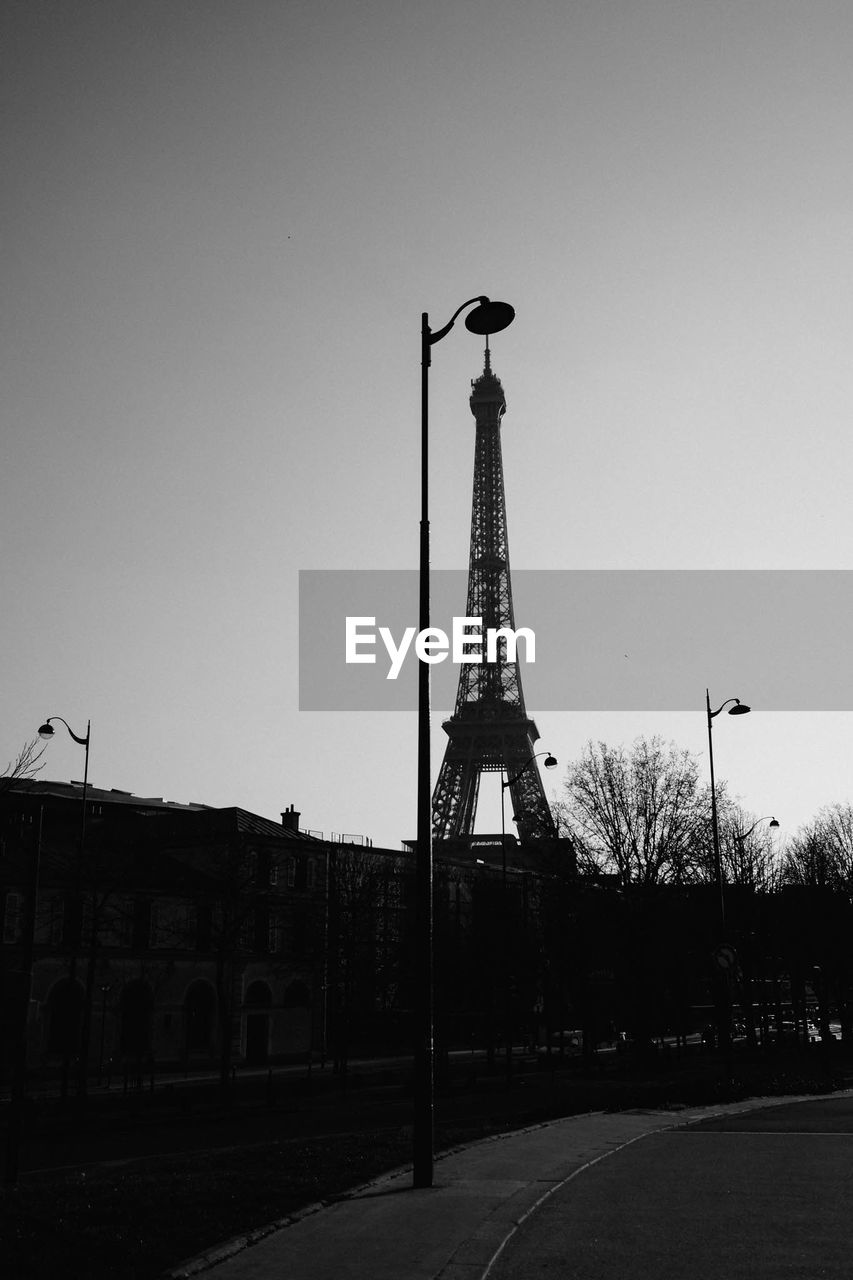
(487, 387)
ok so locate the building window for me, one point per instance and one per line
(189, 925)
(155, 931)
(311, 874)
(87, 920)
(275, 934)
(117, 923)
(12, 917)
(141, 924)
(246, 941)
(273, 871)
(51, 920)
(251, 867)
(203, 927)
(291, 872)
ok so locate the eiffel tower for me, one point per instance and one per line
(490, 729)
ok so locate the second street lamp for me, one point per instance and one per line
(746, 875)
(486, 318)
(738, 709)
(724, 955)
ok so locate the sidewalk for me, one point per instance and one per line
(389, 1231)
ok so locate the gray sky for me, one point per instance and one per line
(221, 222)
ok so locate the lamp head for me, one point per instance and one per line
(46, 730)
(773, 822)
(739, 709)
(489, 317)
(550, 762)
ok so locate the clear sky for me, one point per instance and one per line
(221, 221)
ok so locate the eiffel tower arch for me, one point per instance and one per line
(490, 729)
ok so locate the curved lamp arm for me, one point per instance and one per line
(743, 835)
(739, 708)
(432, 338)
(550, 763)
(46, 730)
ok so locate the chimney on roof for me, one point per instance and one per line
(290, 819)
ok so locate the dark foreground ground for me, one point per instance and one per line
(144, 1181)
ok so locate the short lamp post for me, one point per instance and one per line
(486, 318)
(725, 957)
(742, 836)
(550, 763)
(46, 731)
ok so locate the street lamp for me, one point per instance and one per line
(741, 838)
(550, 763)
(46, 731)
(744, 835)
(739, 709)
(486, 318)
(724, 955)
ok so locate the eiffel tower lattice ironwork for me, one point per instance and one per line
(489, 730)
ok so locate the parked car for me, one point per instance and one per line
(834, 1029)
(567, 1043)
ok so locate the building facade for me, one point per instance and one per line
(172, 936)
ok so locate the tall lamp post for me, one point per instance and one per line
(46, 731)
(550, 763)
(724, 955)
(487, 317)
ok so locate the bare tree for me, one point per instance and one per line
(821, 853)
(836, 826)
(25, 765)
(638, 813)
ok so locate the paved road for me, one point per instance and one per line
(767, 1195)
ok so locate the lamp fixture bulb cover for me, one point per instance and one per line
(46, 730)
(489, 317)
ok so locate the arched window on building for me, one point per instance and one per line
(64, 1017)
(137, 1009)
(258, 1003)
(200, 1019)
(295, 1028)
